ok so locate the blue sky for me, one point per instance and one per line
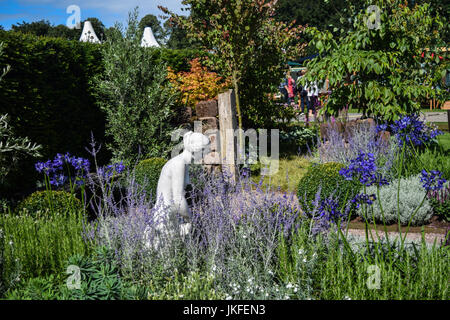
(108, 11)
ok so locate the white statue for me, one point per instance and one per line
(171, 185)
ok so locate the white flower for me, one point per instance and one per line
(347, 298)
(11, 243)
(301, 252)
(289, 285)
(228, 297)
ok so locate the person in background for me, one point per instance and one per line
(283, 90)
(301, 92)
(290, 88)
(311, 88)
(315, 96)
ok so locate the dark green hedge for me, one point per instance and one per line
(49, 97)
(47, 92)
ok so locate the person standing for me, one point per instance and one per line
(302, 93)
(283, 90)
(315, 97)
(290, 88)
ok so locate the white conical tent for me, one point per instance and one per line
(148, 39)
(88, 33)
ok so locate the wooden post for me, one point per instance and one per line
(227, 128)
(446, 106)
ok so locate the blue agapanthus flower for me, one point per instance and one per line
(55, 169)
(363, 198)
(363, 167)
(108, 171)
(329, 210)
(411, 130)
(432, 180)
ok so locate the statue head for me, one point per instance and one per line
(195, 141)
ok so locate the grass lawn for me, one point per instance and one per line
(291, 170)
(441, 125)
(444, 140)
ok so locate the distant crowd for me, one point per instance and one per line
(307, 95)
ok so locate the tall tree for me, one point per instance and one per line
(177, 36)
(237, 31)
(378, 67)
(44, 28)
(38, 28)
(62, 31)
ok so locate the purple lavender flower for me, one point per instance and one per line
(432, 180)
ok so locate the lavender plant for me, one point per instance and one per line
(234, 235)
(440, 201)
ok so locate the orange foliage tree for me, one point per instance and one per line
(198, 84)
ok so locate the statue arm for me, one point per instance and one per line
(178, 185)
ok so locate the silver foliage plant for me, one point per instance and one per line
(410, 198)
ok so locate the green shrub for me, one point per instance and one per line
(41, 203)
(440, 202)
(430, 159)
(441, 208)
(298, 137)
(147, 174)
(327, 177)
(100, 279)
(36, 247)
(136, 96)
(410, 197)
(41, 288)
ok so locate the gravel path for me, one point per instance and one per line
(411, 237)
